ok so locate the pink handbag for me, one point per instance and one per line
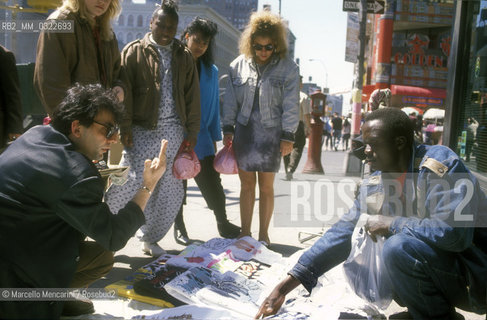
(225, 161)
(186, 164)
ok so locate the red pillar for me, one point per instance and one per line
(384, 51)
(318, 108)
(313, 163)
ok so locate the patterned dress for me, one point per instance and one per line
(167, 196)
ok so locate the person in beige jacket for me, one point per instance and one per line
(163, 100)
(87, 55)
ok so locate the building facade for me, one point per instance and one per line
(408, 52)
(134, 23)
(237, 12)
(433, 55)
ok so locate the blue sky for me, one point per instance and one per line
(320, 27)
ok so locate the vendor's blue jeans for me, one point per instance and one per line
(427, 280)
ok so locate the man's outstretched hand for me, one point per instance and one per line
(155, 168)
(274, 301)
(271, 304)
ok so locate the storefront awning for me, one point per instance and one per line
(403, 96)
(418, 92)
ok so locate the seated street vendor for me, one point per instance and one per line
(433, 214)
(51, 200)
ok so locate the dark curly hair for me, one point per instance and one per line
(169, 7)
(208, 29)
(83, 103)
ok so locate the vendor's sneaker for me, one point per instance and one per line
(152, 249)
(72, 308)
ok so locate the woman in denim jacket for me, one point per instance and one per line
(261, 113)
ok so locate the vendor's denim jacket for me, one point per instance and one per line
(437, 187)
(278, 95)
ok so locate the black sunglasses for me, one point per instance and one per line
(111, 130)
(267, 47)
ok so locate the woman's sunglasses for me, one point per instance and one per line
(267, 47)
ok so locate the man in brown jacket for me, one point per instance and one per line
(162, 101)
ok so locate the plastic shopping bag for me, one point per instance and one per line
(365, 269)
(225, 161)
(186, 164)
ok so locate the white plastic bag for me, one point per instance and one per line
(365, 269)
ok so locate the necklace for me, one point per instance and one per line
(260, 73)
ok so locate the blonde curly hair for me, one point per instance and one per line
(112, 12)
(264, 24)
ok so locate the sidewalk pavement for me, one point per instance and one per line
(201, 225)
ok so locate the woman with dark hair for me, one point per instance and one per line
(261, 114)
(199, 36)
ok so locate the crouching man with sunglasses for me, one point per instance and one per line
(51, 198)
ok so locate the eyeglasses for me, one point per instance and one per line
(267, 47)
(111, 129)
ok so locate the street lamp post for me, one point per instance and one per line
(326, 73)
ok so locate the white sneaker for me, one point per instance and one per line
(152, 249)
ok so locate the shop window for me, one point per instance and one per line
(472, 121)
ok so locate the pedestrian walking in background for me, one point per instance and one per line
(472, 126)
(261, 114)
(199, 37)
(87, 55)
(327, 130)
(10, 104)
(291, 161)
(163, 102)
(346, 129)
(418, 135)
(336, 124)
